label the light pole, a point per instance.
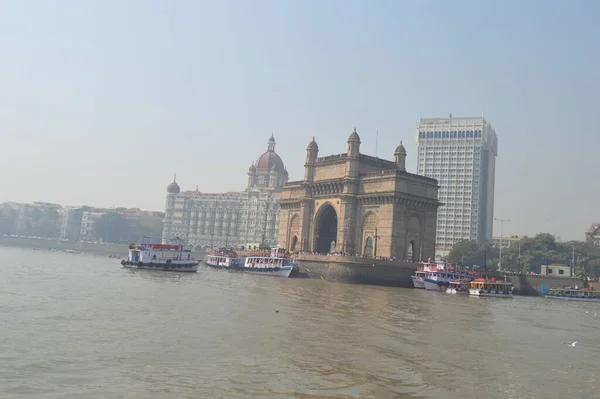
(519, 258)
(501, 240)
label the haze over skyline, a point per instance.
(102, 101)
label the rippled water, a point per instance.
(78, 326)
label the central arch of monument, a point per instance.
(326, 223)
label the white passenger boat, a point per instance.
(170, 257)
(421, 273)
(417, 279)
(277, 264)
(483, 287)
(440, 278)
(224, 259)
(574, 294)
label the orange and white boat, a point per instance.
(483, 287)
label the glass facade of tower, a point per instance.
(461, 154)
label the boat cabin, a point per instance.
(491, 285)
(148, 252)
(276, 258)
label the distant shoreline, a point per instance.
(119, 251)
(84, 247)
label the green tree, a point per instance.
(529, 254)
(112, 227)
(469, 253)
(464, 253)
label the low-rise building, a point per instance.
(556, 270)
(72, 223)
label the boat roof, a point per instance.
(573, 289)
(267, 257)
(482, 280)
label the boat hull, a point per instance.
(435, 285)
(418, 282)
(180, 267)
(283, 271)
(490, 293)
(580, 299)
(215, 266)
(455, 291)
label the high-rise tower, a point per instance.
(461, 154)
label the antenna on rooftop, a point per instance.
(376, 141)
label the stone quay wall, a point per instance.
(533, 285)
(354, 270)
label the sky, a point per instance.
(101, 102)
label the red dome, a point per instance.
(270, 159)
(173, 188)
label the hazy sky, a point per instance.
(102, 101)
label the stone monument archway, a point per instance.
(326, 229)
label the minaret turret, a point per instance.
(353, 156)
(251, 176)
(271, 144)
(400, 156)
(312, 151)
